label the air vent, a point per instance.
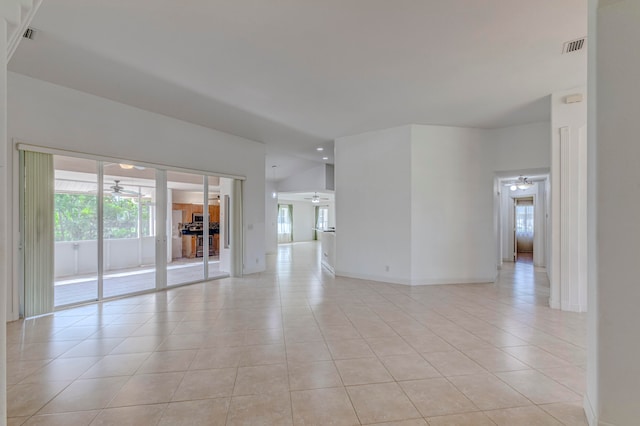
(30, 33)
(574, 45)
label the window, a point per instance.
(323, 218)
(285, 223)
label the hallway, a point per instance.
(295, 345)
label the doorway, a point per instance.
(523, 233)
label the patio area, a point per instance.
(78, 289)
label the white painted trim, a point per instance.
(588, 411)
(378, 278)
(415, 281)
(85, 155)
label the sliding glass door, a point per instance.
(118, 229)
(129, 243)
(76, 230)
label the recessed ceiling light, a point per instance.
(325, 158)
(319, 148)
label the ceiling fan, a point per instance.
(118, 191)
(316, 198)
(522, 183)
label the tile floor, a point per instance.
(294, 345)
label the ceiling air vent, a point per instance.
(574, 45)
(30, 33)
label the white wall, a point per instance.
(48, 115)
(520, 147)
(439, 178)
(271, 218)
(315, 179)
(373, 205)
(451, 206)
(614, 375)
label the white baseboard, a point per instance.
(589, 413)
(378, 278)
(414, 281)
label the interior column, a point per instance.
(4, 208)
(613, 373)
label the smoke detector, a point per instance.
(574, 45)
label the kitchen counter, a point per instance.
(328, 247)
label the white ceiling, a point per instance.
(296, 74)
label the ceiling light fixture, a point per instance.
(325, 158)
(315, 199)
(319, 148)
(523, 183)
(126, 166)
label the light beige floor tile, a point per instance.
(224, 339)
(362, 371)
(167, 361)
(437, 397)
(177, 342)
(387, 346)
(61, 369)
(412, 422)
(262, 355)
(141, 415)
(210, 412)
(17, 421)
(535, 357)
(18, 370)
(320, 407)
(466, 419)
(148, 389)
(206, 384)
(303, 353)
(315, 375)
(302, 334)
(530, 416)
(572, 377)
(25, 400)
(36, 351)
(488, 392)
(79, 418)
(137, 345)
(116, 365)
(269, 336)
(495, 360)
(207, 359)
(261, 379)
(453, 363)
(260, 410)
(569, 413)
(346, 349)
(238, 321)
(537, 387)
(341, 332)
(93, 347)
(89, 394)
(409, 367)
(381, 403)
